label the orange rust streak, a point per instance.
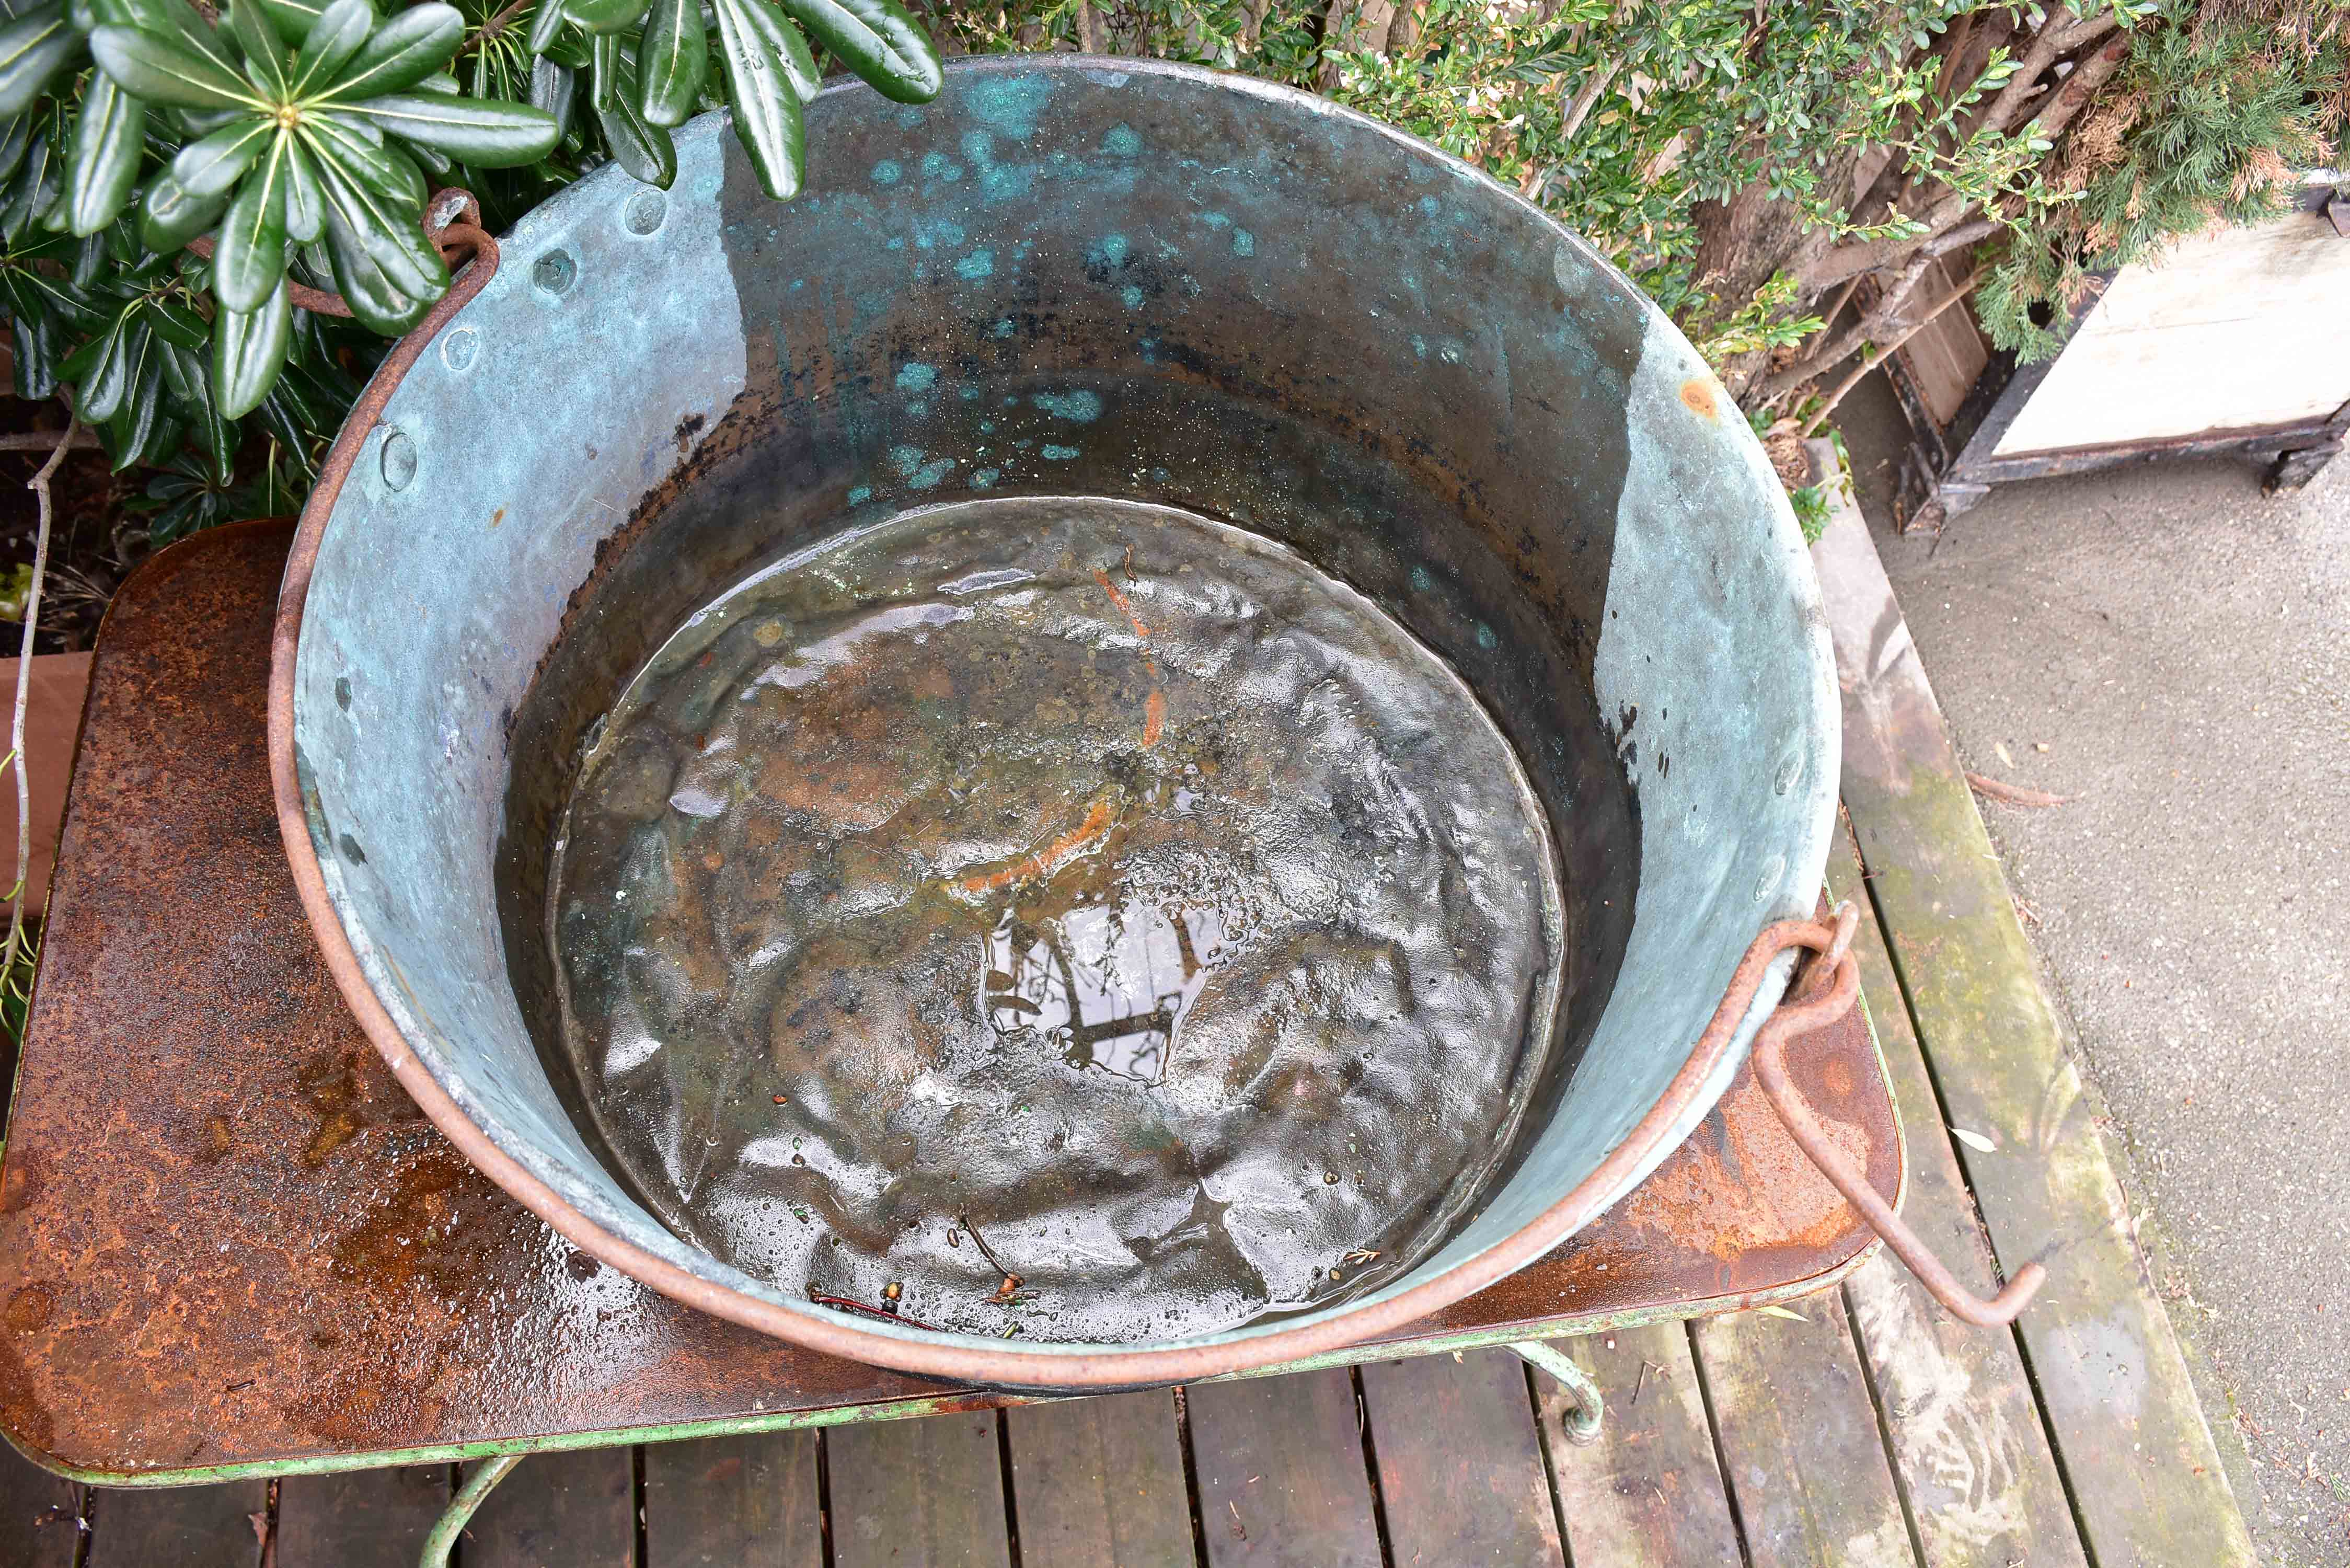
(1096, 820)
(1118, 600)
(1154, 717)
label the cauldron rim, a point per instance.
(950, 1356)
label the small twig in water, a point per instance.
(842, 1303)
(1012, 1282)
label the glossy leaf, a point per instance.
(173, 19)
(183, 374)
(605, 15)
(107, 141)
(488, 133)
(306, 199)
(134, 424)
(264, 51)
(387, 232)
(879, 41)
(545, 24)
(177, 321)
(291, 20)
(170, 217)
(250, 257)
(249, 350)
(783, 41)
(33, 49)
(672, 57)
(155, 68)
(31, 194)
(341, 31)
(360, 153)
(209, 167)
(40, 341)
(411, 47)
(645, 150)
(377, 301)
(101, 372)
(14, 139)
(554, 88)
(767, 106)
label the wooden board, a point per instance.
(37, 1511)
(2145, 1475)
(1282, 1481)
(1970, 1454)
(359, 1519)
(565, 1510)
(734, 1503)
(1649, 1493)
(186, 1527)
(925, 1493)
(1799, 1438)
(1100, 1480)
(1460, 1462)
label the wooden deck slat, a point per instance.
(1799, 1440)
(2143, 1472)
(186, 1527)
(1649, 1493)
(1460, 1462)
(1100, 1480)
(747, 1501)
(359, 1519)
(36, 1515)
(1282, 1479)
(1969, 1452)
(566, 1509)
(923, 1493)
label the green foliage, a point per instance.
(2201, 126)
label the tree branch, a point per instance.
(2037, 57)
(72, 435)
(1878, 356)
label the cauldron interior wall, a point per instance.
(1149, 283)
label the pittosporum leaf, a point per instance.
(411, 47)
(341, 29)
(488, 133)
(34, 48)
(672, 57)
(766, 105)
(107, 141)
(170, 217)
(249, 350)
(155, 68)
(879, 41)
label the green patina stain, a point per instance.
(980, 264)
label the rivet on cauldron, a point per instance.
(399, 460)
(1789, 771)
(645, 212)
(461, 348)
(1773, 870)
(555, 272)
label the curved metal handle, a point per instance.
(1583, 1418)
(1830, 986)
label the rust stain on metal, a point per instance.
(1699, 395)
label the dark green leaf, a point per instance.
(39, 339)
(264, 51)
(152, 67)
(671, 59)
(767, 106)
(105, 160)
(359, 150)
(176, 321)
(183, 374)
(387, 232)
(341, 29)
(173, 19)
(411, 47)
(33, 49)
(554, 88)
(645, 150)
(488, 133)
(101, 372)
(168, 218)
(132, 434)
(783, 41)
(545, 22)
(292, 19)
(209, 167)
(248, 351)
(32, 193)
(305, 201)
(605, 15)
(377, 301)
(879, 41)
(91, 256)
(251, 254)
(437, 166)
(13, 143)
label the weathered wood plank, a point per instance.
(37, 1511)
(571, 1510)
(1799, 1440)
(1969, 1453)
(1649, 1493)
(1282, 1478)
(1460, 1462)
(2144, 1473)
(748, 1501)
(923, 1493)
(1100, 1480)
(185, 1526)
(358, 1519)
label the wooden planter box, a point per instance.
(2238, 343)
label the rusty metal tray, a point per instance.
(231, 1244)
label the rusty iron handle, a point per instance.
(1830, 987)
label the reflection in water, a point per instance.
(1106, 988)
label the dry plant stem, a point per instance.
(1088, 30)
(46, 440)
(1878, 356)
(496, 25)
(39, 486)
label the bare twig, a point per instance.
(48, 440)
(496, 25)
(39, 486)
(1878, 356)
(1088, 29)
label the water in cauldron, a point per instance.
(1077, 889)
